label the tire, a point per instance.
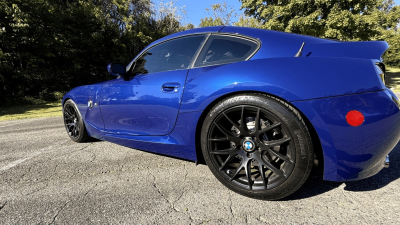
(269, 157)
(74, 123)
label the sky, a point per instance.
(196, 9)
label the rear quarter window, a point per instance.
(221, 49)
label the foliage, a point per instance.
(392, 55)
(220, 14)
(246, 21)
(50, 46)
(356, 20)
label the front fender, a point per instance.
(91, 115)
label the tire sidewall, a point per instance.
(82, 132)
(297, 130)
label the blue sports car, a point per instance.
(260, 107)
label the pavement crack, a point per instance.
(230, 204)
(90, 189)
(58, 212)
(66, 203)
(93, 154)
(3, 205)
(37, 190)
(159, 191)
(179, 198)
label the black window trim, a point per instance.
(206, 36)
(200, 49)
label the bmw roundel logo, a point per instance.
(248, 145)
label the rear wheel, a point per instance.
(74, 123)
(257, 145)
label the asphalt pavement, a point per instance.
(45, 178)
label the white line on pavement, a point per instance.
(11, 165)
(19, 161)
(10, 125)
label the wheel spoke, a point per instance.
(67, 113)
(248, 174)
(228, 134)
(67, 119)
(230, 121)
(218, 139)
(238, 169)
(226, 161)
(273, 143)
(274, 169)
(243, 124)
(279, 155)
(71, 127)
(272, 126)
(262, 174)
(70, 124)
(68, 110)
(74, 132)
(257, 122)
(222, 152)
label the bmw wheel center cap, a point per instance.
(248, 145)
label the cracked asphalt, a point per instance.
(45, 178)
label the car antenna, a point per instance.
(298, 54)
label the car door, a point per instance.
(147, 100)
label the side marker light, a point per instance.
(355, 118)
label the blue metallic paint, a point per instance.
(335, 78)
(143, 107)
(273, 76)
(350, 151)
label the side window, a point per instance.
(176, 54)
(225, 49)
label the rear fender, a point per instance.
(291, 79)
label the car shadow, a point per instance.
(315, 185)
(93, 140)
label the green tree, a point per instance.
(245, 21)
(49, 46)
(357, 20)
(220, 14)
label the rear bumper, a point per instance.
(353, 153)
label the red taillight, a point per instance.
(355, 118)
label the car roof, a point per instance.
(215, 29)
(273, 43)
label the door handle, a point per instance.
(170, 87)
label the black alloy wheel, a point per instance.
(73, 122)
(257, 146)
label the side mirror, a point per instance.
(116, 69)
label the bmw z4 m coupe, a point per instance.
(259, 106)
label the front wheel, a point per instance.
(257, 146)
(73, 122)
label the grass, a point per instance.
(47, 109)
(392, 79)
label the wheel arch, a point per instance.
(317, 147)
